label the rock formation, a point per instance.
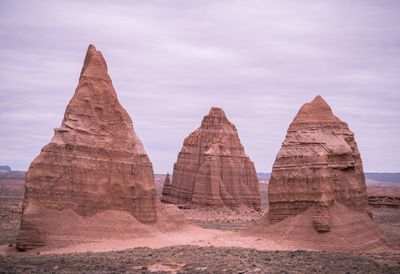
(317, 192)
(318, 163)
(213, 169)
(94, 163)
(167, 186)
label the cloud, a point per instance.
(170, 61)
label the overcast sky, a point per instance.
(170, 61)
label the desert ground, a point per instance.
(185, 254)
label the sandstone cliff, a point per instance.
(318, 163)
(213, 170)
(95, 162)
(317, 192)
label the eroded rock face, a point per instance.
(317, 192)
(318, 164)
(95, 161)
(213, 169)
(166, 187)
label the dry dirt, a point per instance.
(222, 220)
(11, 195)
(189, 259)
(196, 259)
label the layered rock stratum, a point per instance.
(166, 190)
(94, 170)
(318, 163)
(213, 170)
(317, 192)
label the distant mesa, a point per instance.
(317, 192)
(213, 170)
(94, 179)
(5, 168)
(7, 173)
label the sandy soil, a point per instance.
(389, 221)
(383, 190)
(210, 247)
(11, 196)
(222, 220)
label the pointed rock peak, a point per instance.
(316, 111)
(94, 65)
(217, 112)
(216, 118)
(319, 102)
(92, 47)
(167, 180)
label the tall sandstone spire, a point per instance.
(213, 169)
(317, 192)
(95, 162)
(318, 163)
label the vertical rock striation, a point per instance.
(318, 164)
(95, 162)
(317, 191)
(213, 170)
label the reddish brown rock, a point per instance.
(317, 191)
(318, 164)
(213, 169)
(94, 163)
(167, 186)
